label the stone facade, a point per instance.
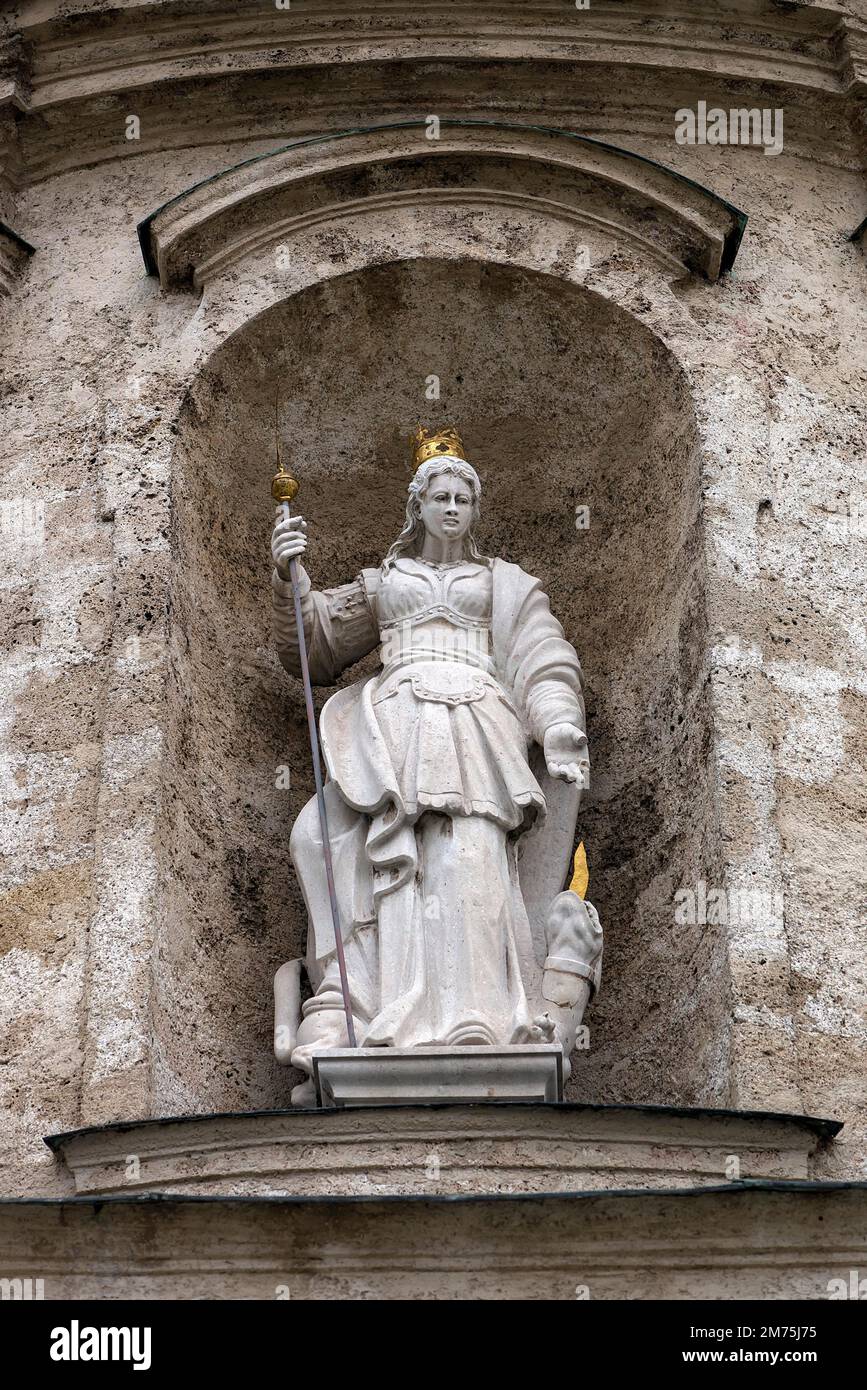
(647, 1245)
(606, 336)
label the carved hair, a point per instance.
(411, 538)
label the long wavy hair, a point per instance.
(411, 538)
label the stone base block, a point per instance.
(423, 1075)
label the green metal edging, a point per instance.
(804, 1188)
(822, 1128)
(18, 240)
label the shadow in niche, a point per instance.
(563, 401)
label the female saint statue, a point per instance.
(454, 777)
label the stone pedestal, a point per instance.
(422, 1075)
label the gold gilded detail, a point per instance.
(426, 445)
(283, 487)
(580, 872)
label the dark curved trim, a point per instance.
(730, 248)
(433, 1199)
(859, 231)
(823, 1129)
(18, 240)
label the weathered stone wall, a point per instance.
(716, 430)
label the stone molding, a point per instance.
(212, 227)
(761, 1241)
(440, 1150)
(202, 73)
(14, 94)
(816, 45)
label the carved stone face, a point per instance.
(447, 507)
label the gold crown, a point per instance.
(426, 445)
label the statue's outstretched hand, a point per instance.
(566, 753)
(288, 541)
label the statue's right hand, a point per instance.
(288, 541)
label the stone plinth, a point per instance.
(423, 1075)
(441, 1150)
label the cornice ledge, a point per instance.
(126, 49)
(526, 1146)
(853, 54)
(218, 223)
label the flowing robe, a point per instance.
(449, 838)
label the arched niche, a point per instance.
(564, 400)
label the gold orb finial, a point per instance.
(283, 486)
(427, 444)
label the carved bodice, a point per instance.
(414, 592)
(435, 612)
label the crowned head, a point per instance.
(438, 458)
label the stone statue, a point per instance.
(454, 778)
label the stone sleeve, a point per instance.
(548, 679)
(339, 626)
(553, 701)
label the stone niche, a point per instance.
(564, 400)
